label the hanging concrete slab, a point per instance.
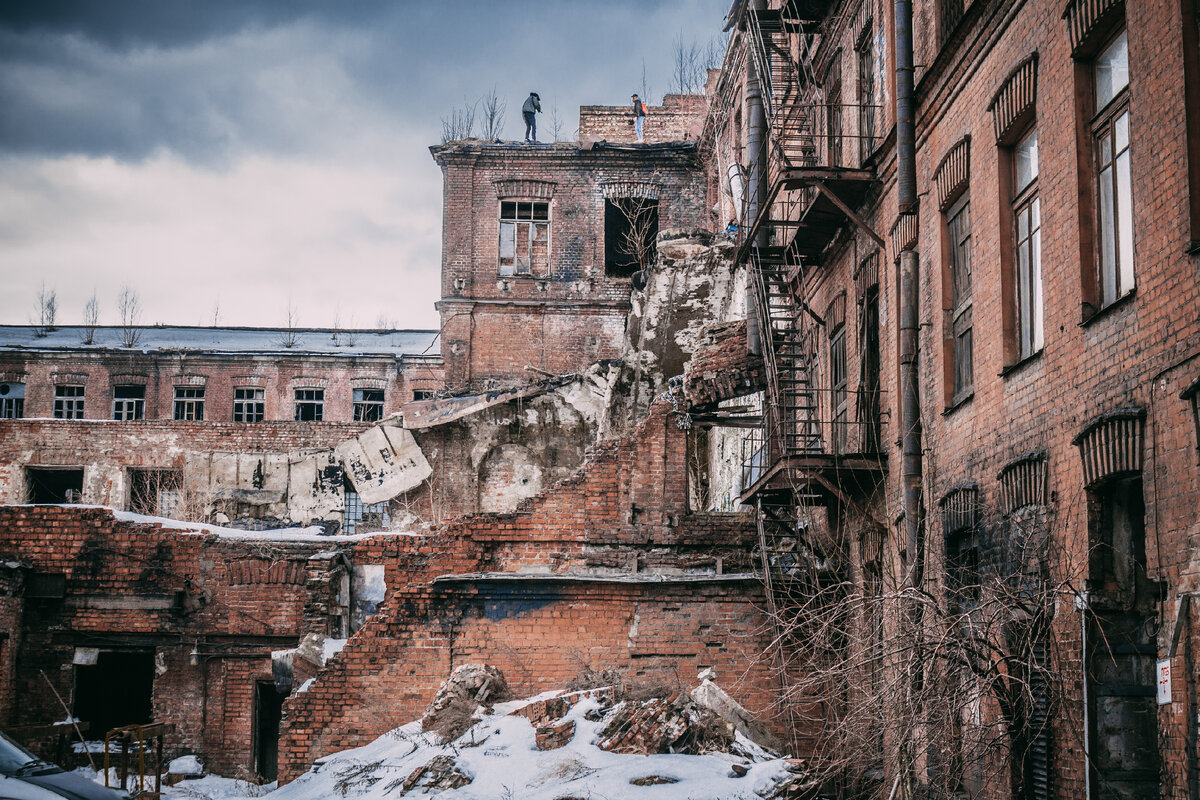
(382, 462)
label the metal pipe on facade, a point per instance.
(756, 189)
(910, 297)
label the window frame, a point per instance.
(834, 133)
(315, 400)
(865, 80)
(363, 405)
(839, 381)
(531, 222)
(13, 407)
(250, 408)
(69, 405)
(960, 312)
(1029, 304)
(1111, 279)
(128, 409)
(188, 404)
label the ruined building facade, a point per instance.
(1058, 351)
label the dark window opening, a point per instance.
(129, 402)
(963, 570)
(189, 403)
(12, 400)
(248, 405)
(837, 379)
(368, 405)
(155, 492)
(268, 712)
(68, 402)
(1118, 547)
(54, 485)
(310, 405)
(524, 238)
(869, 369)
(115, 691)
(630, 235)
(422, 394)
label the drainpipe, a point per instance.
(910, 301)
(756, 159)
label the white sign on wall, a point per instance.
(1162, 675)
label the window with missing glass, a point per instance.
(189, 403)
(68, 402)
(368, 405)
(129, 402)
(310, 405)
(248, 405)
(1027, 218)
(524, 237)
(1114, 190)
(12, 400)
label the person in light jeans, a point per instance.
(639, 116)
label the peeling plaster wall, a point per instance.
(693, 284)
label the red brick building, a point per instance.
(539, 242)
(1058, 176)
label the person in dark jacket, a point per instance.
(639, 116)
(533, 105)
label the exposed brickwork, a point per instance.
(722, 367)
(165, 592)
(679, 118)
(624, 512)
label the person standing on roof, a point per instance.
(533, 105)
(639, 116)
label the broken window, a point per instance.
(54, 484)
(1118, 547)
(68, 402)
(129, 402)
(368, 405)
(1110, 137)
(12, 400)
(155, 492)
(961, 349)
(524, 238)
(189, 402)
(630, 234)
(422, 394)
(248, 404)
(869, 360)
(357, 515)
(310, 405)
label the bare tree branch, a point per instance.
(492, 122)
(129, 308)
(91, 318)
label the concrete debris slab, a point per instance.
(382, 462)
(439, 411)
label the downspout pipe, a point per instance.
(756, 183)
(910, 298)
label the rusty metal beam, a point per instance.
(849, 212)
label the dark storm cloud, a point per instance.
(216, 79)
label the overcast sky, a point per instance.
(232, 156)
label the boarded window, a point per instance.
(630, 234)
(524, 238)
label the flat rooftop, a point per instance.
(171, 338)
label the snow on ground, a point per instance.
(499, 756)
(210, 787)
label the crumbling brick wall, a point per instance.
(229, 598)
(679, 118)
(564, 590)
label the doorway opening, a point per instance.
(268, 711)
(115, 691)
